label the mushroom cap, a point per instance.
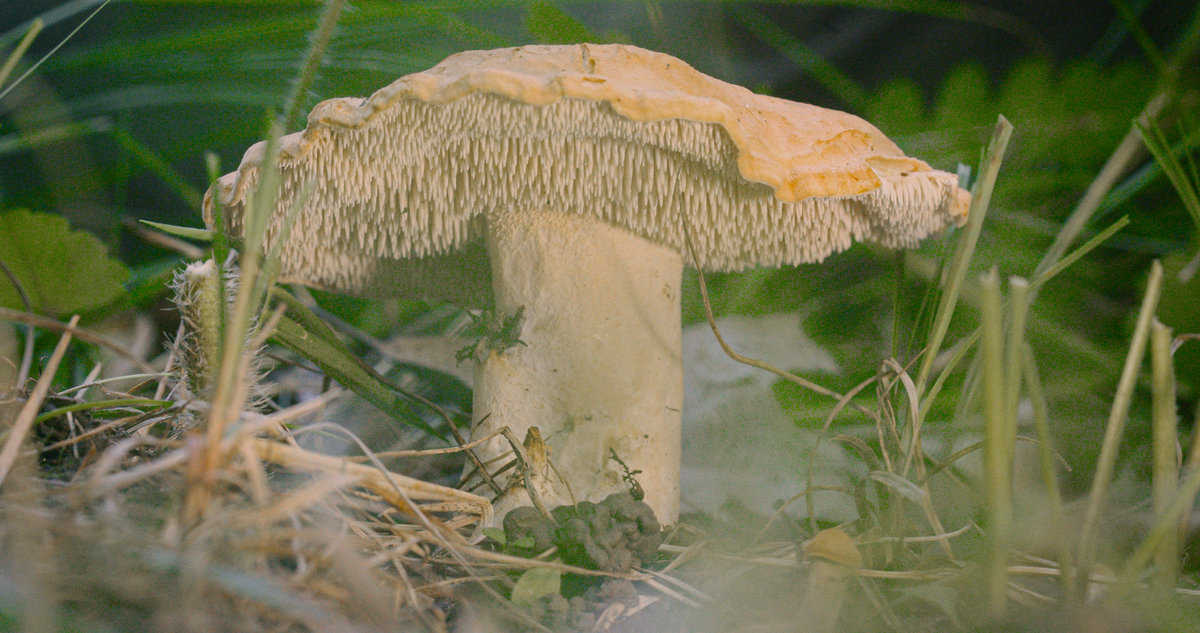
(628, 136)
(834, 545)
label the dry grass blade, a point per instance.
(24, 420)
(380, 482)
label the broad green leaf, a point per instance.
(536, 583)
(62, 271)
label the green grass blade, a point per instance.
(1167, 523)
(186, 232)
(52, 51)
(102, 404)
(19, 51)
(1097, 192)
(150, 159)
(1057, 267)
(997, 456)
(340, 364)
(1165, 448)
(312, 61)
(980, 199)
(1143, 38)
(1018, 306)
(1106, 462)
(1186, 187)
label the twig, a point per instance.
(429, 451)
(28, 413)
(745, 360)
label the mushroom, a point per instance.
(833, 557)
(560, 180)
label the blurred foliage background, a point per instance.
(114, 126)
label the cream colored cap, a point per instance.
(628, 136)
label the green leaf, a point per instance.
(187, 232)
(340, 364)
(62, 271)
(496, 534)
(536, 583)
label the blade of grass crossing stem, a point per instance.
(996, 460)
(258, 213)
(1114, 429)
(25, 418)
(273, 260)
(1041, 422)
(1166, 449)
(220, 245)
(319, 40)
(981, 197)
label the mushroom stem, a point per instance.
(599, 369)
